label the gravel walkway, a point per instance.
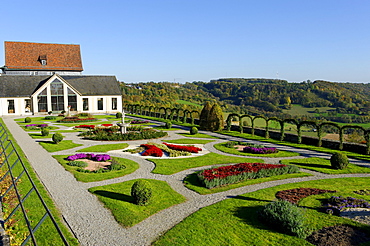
(94, 225)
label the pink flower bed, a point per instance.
(95, 157)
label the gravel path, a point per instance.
(94, 225)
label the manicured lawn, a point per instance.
(198, 135)
(171, 166)
(33, 130)
(159, 128)
(50, 146)
(324, 166)
(117, 198)
(38, 135)
(192, 182)
(281, 153)
(188, 141)
(104, 147)
(131, 166)
(235, 221)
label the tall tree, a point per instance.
(204, 115)
(216, 118)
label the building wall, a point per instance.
(19, 106)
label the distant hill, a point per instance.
(256, 96)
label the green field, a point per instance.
(188, 103)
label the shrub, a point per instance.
(193, 130)
(115, 165)
(44, 132)
(50, 117)
(50, 112)
(77, 163)
(339, 161)
(27, 120)
(141, 191)
(57, 137)
(285, 217)
(168, 125)
(118, 115)
(63, 112)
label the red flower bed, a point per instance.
(86, 126)
(107, 125)
(231, 174)
(190, 149)
(223, 172)
(151, 150)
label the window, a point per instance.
(11, 106)
(57, 96)
(42, 101)
(114, 103)
(100, 103)
(85, 104)
(27, 103)
(72, 99)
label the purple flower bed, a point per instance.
(264, 150)
(94, 157)
(37, 125)
(139, 121)
(336, 204)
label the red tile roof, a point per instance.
(28, 56)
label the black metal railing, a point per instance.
(20, 191)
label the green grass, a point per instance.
(163, 128)
(324, 166)
(30, 130)
(171, 166)
(198, 135)
(50, 146)
(188, 103)
(281, 153)
(188, 141)
(131, 166)
(104, 147)
(300, 110)
(235, 221)
(46, 232)
(192, 182)
(117, 198)
(38, 135)
(296, 145)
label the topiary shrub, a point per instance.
(141, 191)
(44, 132)
(285, 217)
(193, 130)
(57, 137)
(27, 120)
(118, 115)
(339, 160)
(168, 125)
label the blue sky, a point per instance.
(200, 40)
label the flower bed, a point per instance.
(337, 204)
(261, 150)
(295, 195)
(36, 125)
(75, 120)
(151, 150)
(107, 125)
(226, 175)
(191, 149)
(86, 126)
(94, 157)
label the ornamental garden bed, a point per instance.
(170, 150)
(103, 170)
(76, 119)
(231, 174)
(247, 149)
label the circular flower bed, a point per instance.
(36, 126)
(106, 163)
(251, 148)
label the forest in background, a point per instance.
(348, 102)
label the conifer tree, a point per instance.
(215, 118)
(204, 114)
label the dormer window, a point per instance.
(42, 59)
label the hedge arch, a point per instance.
(320, 128)
(160, 112)
(367, 139)
(267, 134)
(186, 112)
(192, 115)
(151, 110)
(146, 110)
(241, 120)
(228, 120)
(299, 128)
(343, 128)
(255, 118)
